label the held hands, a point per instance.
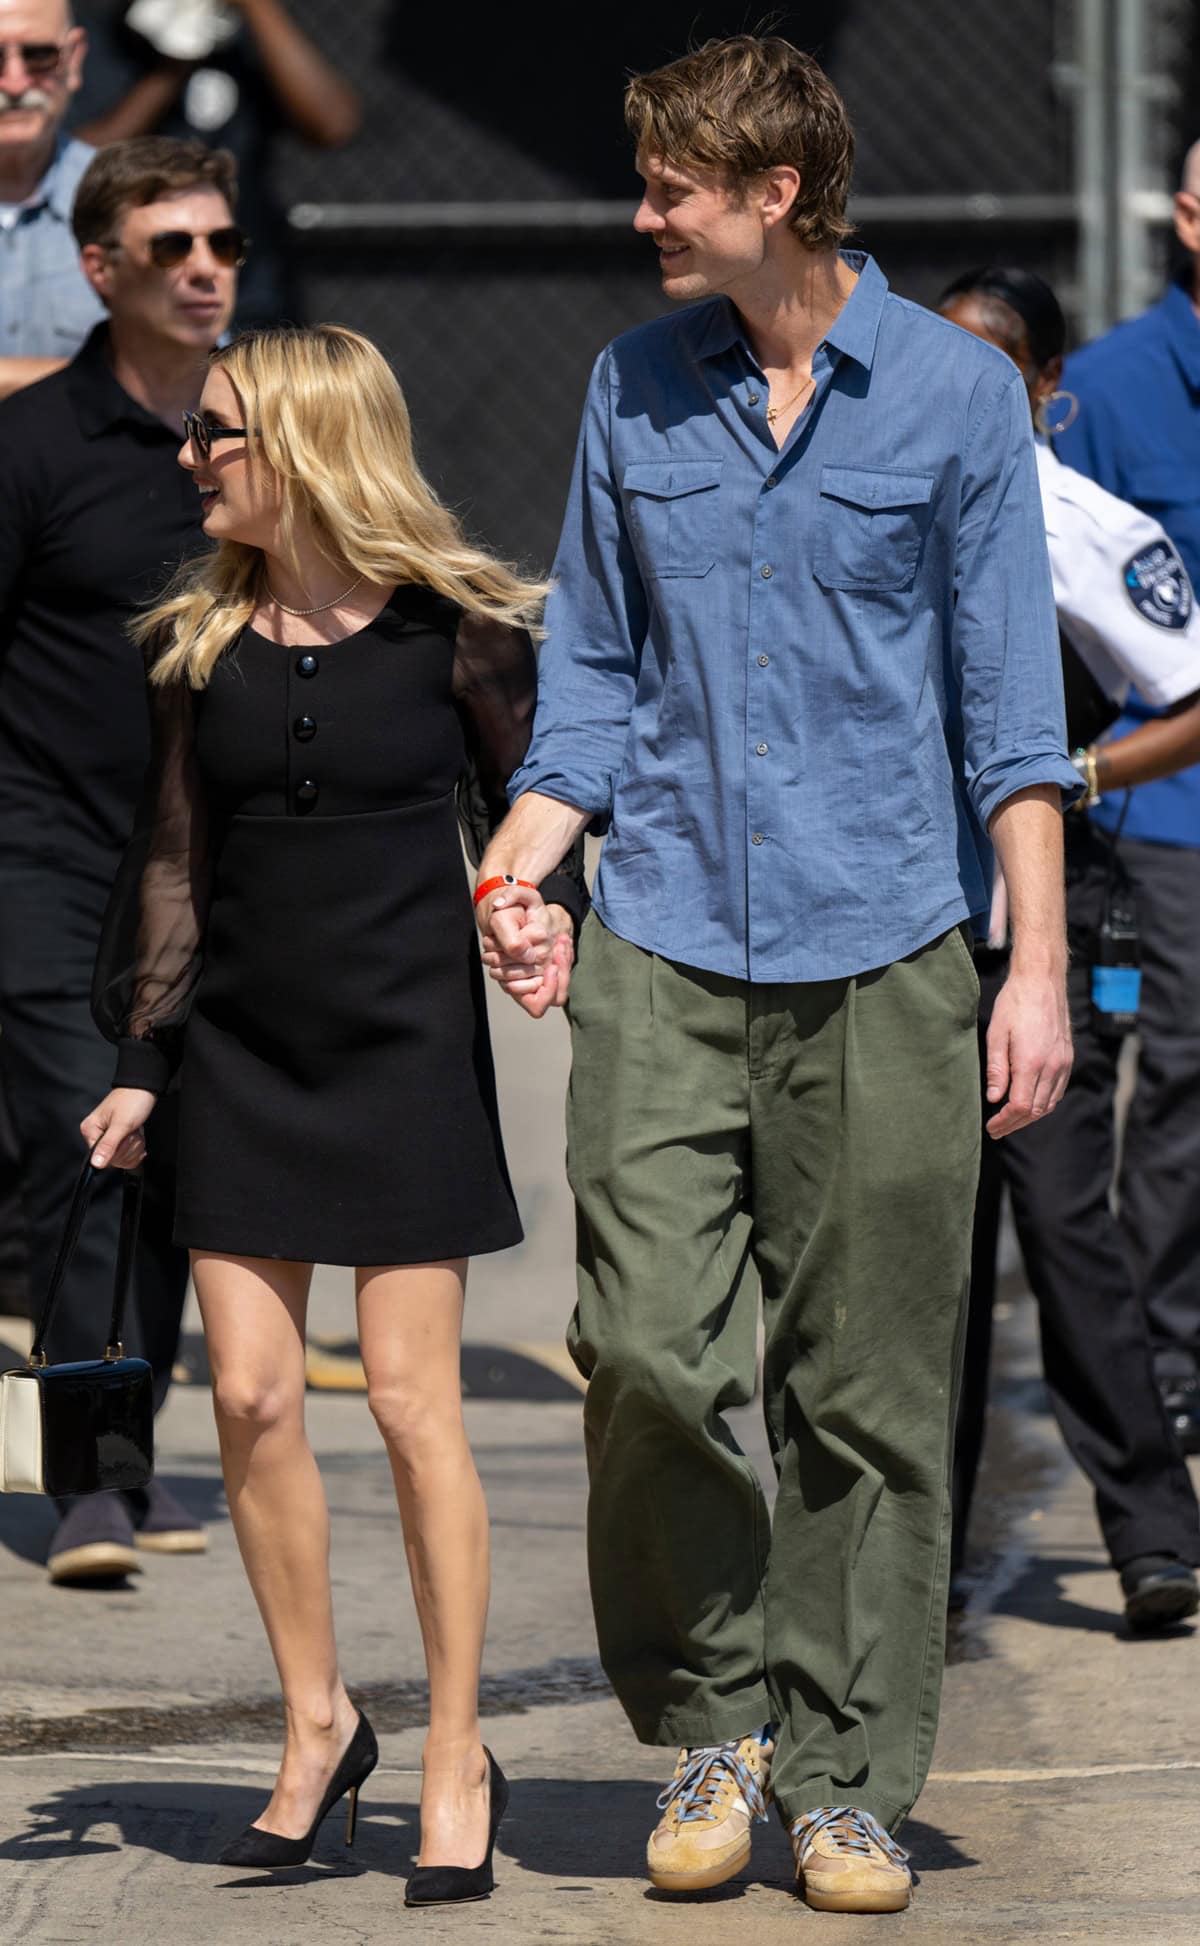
(1029, 1050)
(116, 1124)
(528, 947)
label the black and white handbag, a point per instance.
(88, 1426)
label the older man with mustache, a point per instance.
(47, 306)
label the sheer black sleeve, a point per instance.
(495, 688)
(152, 940)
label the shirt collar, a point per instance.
(853, 332)
(1183, 326)
(98, 401)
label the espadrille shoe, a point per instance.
(703, 1836)
(846, 1862)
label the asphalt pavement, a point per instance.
(139, 1726)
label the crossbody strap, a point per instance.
(131, 1208)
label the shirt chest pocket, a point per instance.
(870, 527)
(672, 508)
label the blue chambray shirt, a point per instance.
(47, 306)
(796, 685)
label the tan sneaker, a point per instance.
(846, 1862)
(703, 1837)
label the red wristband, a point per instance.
(494, 884)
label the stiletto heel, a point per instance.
(266, 1849)
(452, 1884)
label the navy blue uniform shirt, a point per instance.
(797, 684)
(1137, 433)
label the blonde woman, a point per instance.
(327, 687)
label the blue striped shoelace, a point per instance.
(852, 1829)
(695, 1789)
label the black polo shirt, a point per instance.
(95, 517)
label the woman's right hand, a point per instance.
(113, 1130)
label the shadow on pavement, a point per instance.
(27, 1520)
(1036, 1596)
(556, 1827)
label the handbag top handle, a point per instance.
(131, 1208)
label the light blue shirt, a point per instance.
(47, 306)
(796, 685)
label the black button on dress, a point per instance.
(307, 940)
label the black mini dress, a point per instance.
(292, 927)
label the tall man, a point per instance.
(802, 650)
(94, 517)
(1137, 432)
(47, 305)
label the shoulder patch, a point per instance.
(1157, 584)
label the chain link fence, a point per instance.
(478, 228)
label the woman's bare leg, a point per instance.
(254, 1311)
(410, 1332)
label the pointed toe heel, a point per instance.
(260, 1850)
(455, 1884)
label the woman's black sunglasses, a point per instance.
(202, 432)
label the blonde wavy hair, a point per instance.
(327, 414)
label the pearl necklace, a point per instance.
(320, 607)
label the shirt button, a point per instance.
(757, 838)
(760, 749)
(306, 793)
(307, 665)
(767, 572)
(304, 728)
(753, 397)
(763, 661)
(771, 480)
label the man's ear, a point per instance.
(780, 188)
(95, 265)
(76, 51)
(1187, 220)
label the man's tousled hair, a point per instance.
(127, 175)
(746, 105)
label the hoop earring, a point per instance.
(1068, 419)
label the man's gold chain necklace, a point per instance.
(776, 411)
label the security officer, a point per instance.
(1127, 613)
(1137, 433)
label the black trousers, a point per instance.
(57, 1066)
(1160, 1161)
(1095, 1335)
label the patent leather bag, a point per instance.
(89, 1426)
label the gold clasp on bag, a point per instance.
(112, 1352)
(37, 1359)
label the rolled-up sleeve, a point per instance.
(596, 621)
(1005, 631)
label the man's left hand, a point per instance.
(528, 949)
(1029, 1050)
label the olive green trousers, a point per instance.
(817, 1144)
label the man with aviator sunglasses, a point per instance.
(95, 515)
(47, 306)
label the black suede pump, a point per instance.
(454, 1884)
(262, 1850)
